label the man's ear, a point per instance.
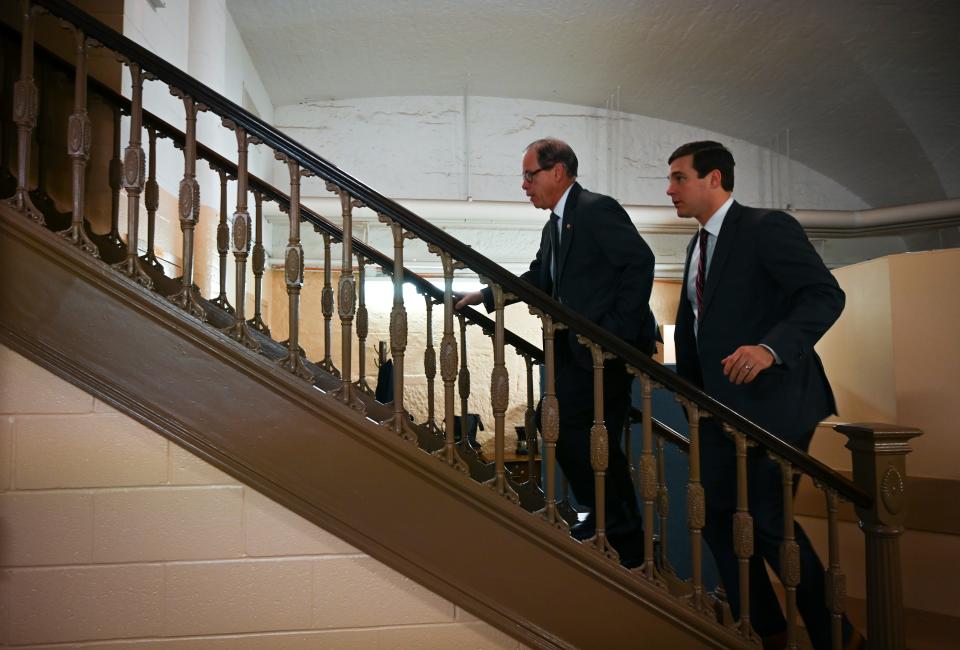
(716, 179)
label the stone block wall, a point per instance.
(111, 536)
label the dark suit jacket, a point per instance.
(605, 270)
(766, 285)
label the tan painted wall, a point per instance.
(894, 356)
(110, 532)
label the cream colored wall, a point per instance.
(111, 534)
(894, 357)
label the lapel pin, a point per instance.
(569, 226)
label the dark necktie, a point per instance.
(555, 251)
(701, 271)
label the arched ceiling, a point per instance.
(869, 90)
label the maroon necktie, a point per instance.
(701, 271)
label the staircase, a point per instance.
(92, 310)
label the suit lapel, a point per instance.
(569, 222)
(686, 270)
(720, 254)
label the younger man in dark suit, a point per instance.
(756, 298)
(603, 270)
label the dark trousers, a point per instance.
(718, 471)
(575, 398)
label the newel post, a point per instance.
(879, 466)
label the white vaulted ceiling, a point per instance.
(869, 90)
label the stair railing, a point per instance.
(879, 451)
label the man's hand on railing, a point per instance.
(467, 299)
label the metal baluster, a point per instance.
(25, 110)
(648, 475)
(599, 452)
(500, 398)
(223, 243)
(362, 329)
(742, 531)
(259, 260)
(326, 304)
(789, 553)
(836, 581)
(188, 297)
(448, 357)
(463, 387)
(151, 199)
(113, 244)
(399, 422)
(240, 331)
(550, 423)
(696, 504)
(663, 506)
(477, 468)
(430, 370)
(134, 172)
(346, 301)
(529, 422)
(293, 273)
(79, 137)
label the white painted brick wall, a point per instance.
(110, 534)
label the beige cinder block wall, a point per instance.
(894, 356)
(111, 534)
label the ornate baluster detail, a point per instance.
(399, 421)
(529, 422)
(115, 180)
(789, 552)
(836, 581)
(463, 388)
(362, 329)
(599, 452)
(134, 173)
(696, 504)
(151, 198)
(500, 398)
(25, 110)
(477, 468)
(448, 361)
(628, 447)
(259, 260)
(223, 243)
(188, 297)
(549, 424)
(240, 331)
(293, 273)
(430, 370)
(743, 531)
(346, 300)
(648, 474)
(326, 304)
(663, 506)
(79, 137)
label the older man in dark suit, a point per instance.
(593, 260)
(756, 298)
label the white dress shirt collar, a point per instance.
(715, 222)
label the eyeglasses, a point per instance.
(528, 176)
